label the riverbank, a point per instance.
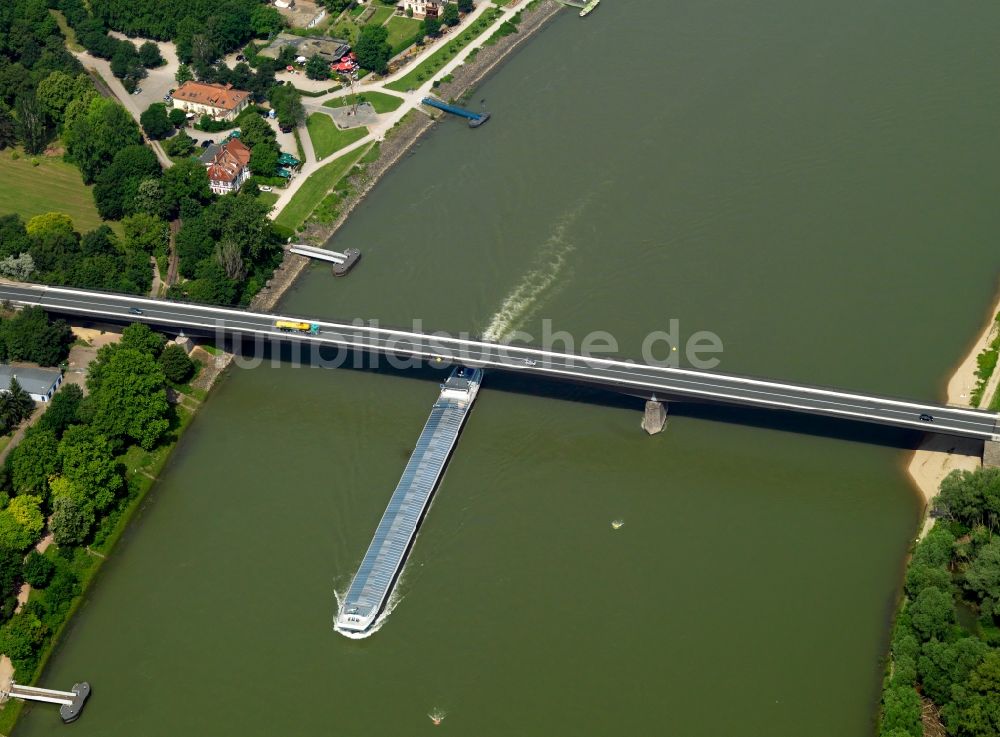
(400, 140)
(939, 455)
(142, 469)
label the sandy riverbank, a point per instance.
(939, 455)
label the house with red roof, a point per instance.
(219, 101)
(228, 166)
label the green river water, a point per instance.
(810, 181)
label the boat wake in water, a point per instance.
(539, 283)
(437, 716)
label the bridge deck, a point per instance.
(615, 374)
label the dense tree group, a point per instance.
(68, 469)
(372, 48)
(957, 667)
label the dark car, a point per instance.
(134, 311)
(926, 418)
(207, 143)
(286, 128)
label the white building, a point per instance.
(40, 383)
(422, 8)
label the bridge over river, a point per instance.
(623, 376)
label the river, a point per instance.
(811, 182)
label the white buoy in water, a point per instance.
(617, 524)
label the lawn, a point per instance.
(315, 188)
(267, 198)
(382, 102)
(52, 186)
(381, 15)
(403, 32)
(328, 138)
(442, 56)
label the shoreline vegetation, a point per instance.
(942, 674)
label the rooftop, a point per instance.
(222, 96)
(328, 49)
(229, 160)
(32, 379)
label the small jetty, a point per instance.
(70, 702)
(342, 262)
(475, 119)
(380, 568)
(589, 8)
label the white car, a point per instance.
(264, 188)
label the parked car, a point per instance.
(264, 188)
(286, 128)
(206, 143)
(137, 90)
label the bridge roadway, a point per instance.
(623, 376)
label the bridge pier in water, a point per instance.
(654, 419)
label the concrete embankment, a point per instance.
(400, 141)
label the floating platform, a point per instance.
(353, 256)
(381, 566)
(475, 119)
(342, 262)
(71, 703)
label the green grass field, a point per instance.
(52, 186)
(402, 32)
(381, 15)
(328, 138)
(382, 102)
(315, 189)
(442, 56)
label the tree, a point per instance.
(95, 133)
(194, 243)
(450, 15)
(22, 637)
(177, 366)
(38, 570)
(14, 238)
(8, 127)
(29, 336)
(977, 708)
(971, 497)
(19, 402)
(130, 400)
(141, 337)
(155, 121)
(254, 130)
(149, 55)
(942, 664)
(264, 159)
(19, 268)
(466, 6)
(88, 464)
(932, 613)
(21, 522)
(243, 220)
(266, 20)
(149, 198)
(71, 520)
(187, 180)
(287, 104)
(146, 234)
(430, 27)
(33, 460)
(372, 49)
(901, 712)
(30, 123)
(63, 410)
(177, 117)
(183, 74)
(317, 68)
(983, 574)
(58, 90)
